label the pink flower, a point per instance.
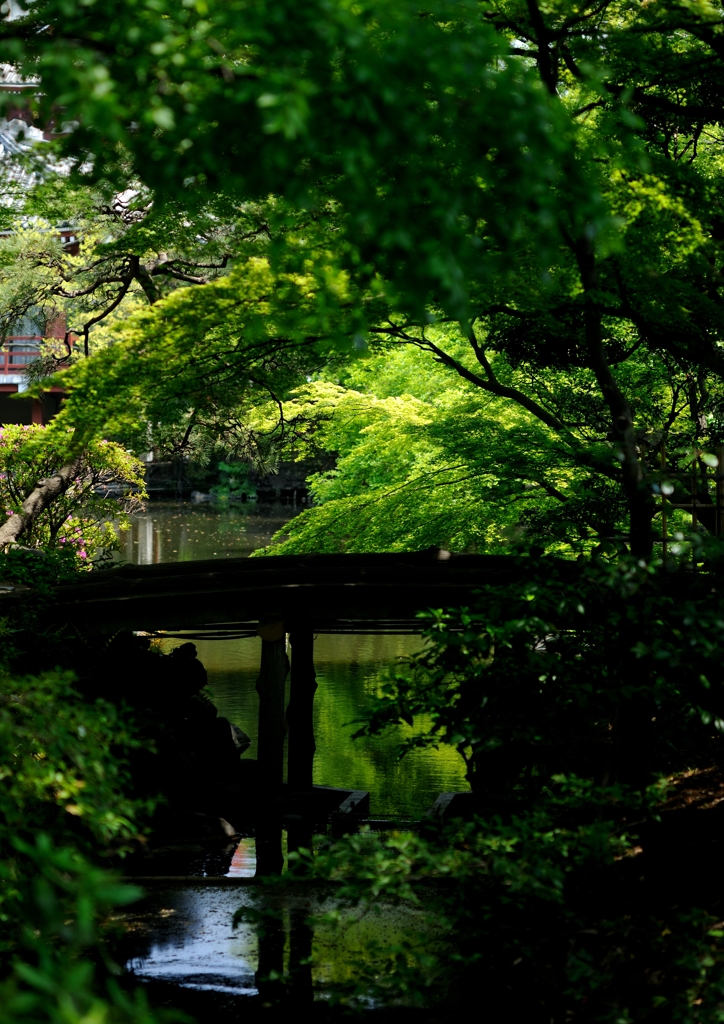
(82, 554)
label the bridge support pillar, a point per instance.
(270, 748)
(301, 710)
(272, 727)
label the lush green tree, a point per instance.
(616, 346)
(415, 456)
(531, 197)
(412, 124)
(87, 256)
(186, 370)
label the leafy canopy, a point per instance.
(409, 131)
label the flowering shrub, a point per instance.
(86, 519)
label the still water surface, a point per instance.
(192, 943)
(179, 531)
(350, 670)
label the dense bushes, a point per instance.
(63, 775)
(572, 893)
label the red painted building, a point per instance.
(17, 132)
(19, 350)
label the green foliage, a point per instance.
(27, 258)
(234, 482)
(64, 768)
(80, 523)
(63, 774)
(558, 690)
(126, 253)
(559, 202)
(422, 457)
(403, 119)
(251, 328)
(532, 909)
(59, 972)
(421, 460)
(527, 684)
(549, 178)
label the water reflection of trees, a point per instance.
(278, 932)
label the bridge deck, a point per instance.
(334, 593)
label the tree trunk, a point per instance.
(272, 724)
(38, 500)
(633, 728)
(638, 497)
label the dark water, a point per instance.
(186, 938)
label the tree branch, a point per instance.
(145, 280)
(546, 60)
(488, 383)
(45, 492)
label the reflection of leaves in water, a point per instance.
(397, 787)
(361, 952)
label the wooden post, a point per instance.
(272, 727)
(300, 713)
(268, 834)
(270, 749)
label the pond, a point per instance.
(179, 531)
(350, 670)
(185, 938)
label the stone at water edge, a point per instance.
(240, 738)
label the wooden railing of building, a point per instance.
(18, 352)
